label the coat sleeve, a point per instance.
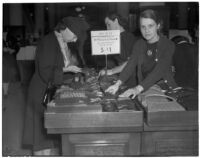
(130, 68)
(45, 60)
(162, 67)
(127, 42)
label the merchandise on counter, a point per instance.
(109, 106)
(187, 97)
(90, 90)
(70, 97)
(106, 81)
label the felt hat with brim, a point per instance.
(77, 25)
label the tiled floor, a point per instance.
(12, 122)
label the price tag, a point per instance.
(105, 42)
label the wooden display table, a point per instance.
(87, 131)
(173, 133)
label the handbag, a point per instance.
(49, 94)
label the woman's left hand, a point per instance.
(132, 92)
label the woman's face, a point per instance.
(68, 35)
(149, 29)
(111, 25)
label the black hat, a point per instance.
(77, 25)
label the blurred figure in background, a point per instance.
(185, 62)
(25, 60)
(9, 69)
(81, 41)
(114, 21)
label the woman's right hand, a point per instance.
(114, 88)
(72, 68)
(103, 72)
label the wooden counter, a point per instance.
(87, 131)
(169, 141)
(170, 133)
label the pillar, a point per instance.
(39, 19)
(112, 6)
(15, 14)
(182, 15)
(123, 9)
(51, 15)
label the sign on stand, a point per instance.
(105, 42)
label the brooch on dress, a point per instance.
(149, 53)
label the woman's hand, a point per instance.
(72, 68)
(114, 88)
(103, 72)
(132, 92)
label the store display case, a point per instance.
(96, 124)
(88, 131)
(170, 133)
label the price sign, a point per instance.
(105, 42)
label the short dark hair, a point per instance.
(122, 21)
(154, 15)
(151, 14)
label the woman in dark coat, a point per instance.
(53, 58)
(152, 55)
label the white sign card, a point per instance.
(105, 42)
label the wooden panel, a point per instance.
(74, 108)
(173, 143)
(105, 144)
(67, 146)
(172, 118)
(95, 130)
(89, 120)
(100, 149)
(170, 128)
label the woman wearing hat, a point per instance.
(53, 58)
